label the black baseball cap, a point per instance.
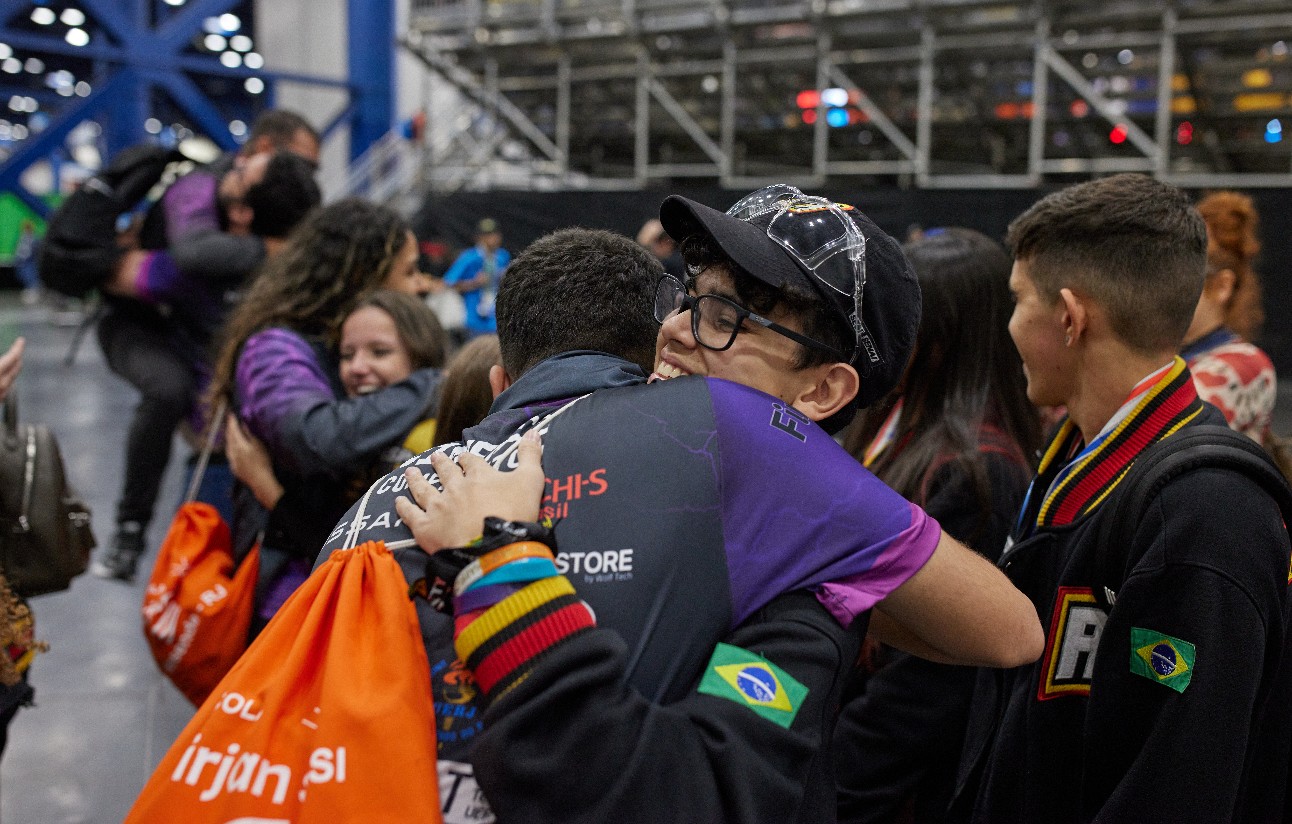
(780, 236)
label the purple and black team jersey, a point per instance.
(681, 508)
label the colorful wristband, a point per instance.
(493, 621)
(526, 569)
(513, 552)
(492, 560)
(483, 597)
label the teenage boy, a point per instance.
(1163, 697)
(683, 511)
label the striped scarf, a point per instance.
(1168, 405)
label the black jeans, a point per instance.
(141, 347)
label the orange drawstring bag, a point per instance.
(197, 609)
(326, 718)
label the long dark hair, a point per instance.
(335, 257)
(964, 383)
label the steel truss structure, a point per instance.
(567, 94)
(142, 51)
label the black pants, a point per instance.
(140, 346)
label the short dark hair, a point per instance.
(818, 319)
(578, 289)
(280, 126)
(287, 193)
(1133, 244)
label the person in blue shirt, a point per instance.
(476, 273)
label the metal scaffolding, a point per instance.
(574, 94)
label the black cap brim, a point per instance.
(745, 243)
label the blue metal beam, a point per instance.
(372, 70)
(175, 32)
(12, 10)
(190, 98)
(44, 144)
(112, 15)
(139, 57)
(159, 61)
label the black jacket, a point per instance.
(1172, 706)
(901, 729)
(575, 743)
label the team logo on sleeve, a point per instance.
(790, 421)
(1075, 628)
(1162, 658)
(745, 678)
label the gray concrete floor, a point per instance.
(104, 716)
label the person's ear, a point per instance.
(1076, 316)
(498, 379)
(1220, 286)
(834, 387)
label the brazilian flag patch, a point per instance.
(749, 679)
(1161, 658)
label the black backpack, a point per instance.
(45, 537)
(1197, 447)
(80, 248)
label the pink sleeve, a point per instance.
(848, 597)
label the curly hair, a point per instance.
(335, 257)
(1232, 244)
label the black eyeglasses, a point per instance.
(715, 320)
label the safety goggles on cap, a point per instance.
(822, 237)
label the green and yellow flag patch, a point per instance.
(749, 679)
(1162, 658)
